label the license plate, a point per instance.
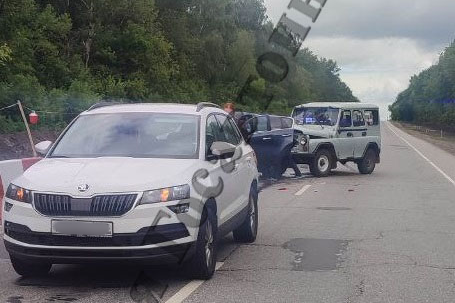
(82, 228)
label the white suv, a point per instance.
(143, 182)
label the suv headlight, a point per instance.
(303, 140)
(166, 194)
(20, 194)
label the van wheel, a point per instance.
(247, 232)
(202, 265)
(322, 163)
(30, 269)
(368, 163)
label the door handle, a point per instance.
(288, 135)
(267, 139)
(350, 135)
(364, 134)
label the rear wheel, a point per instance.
(247, 232)
(202, 265)
(368, 163)
(29, 268)
(322, 163)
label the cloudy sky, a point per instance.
(379, 44)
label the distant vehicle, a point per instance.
(272, 138)
(119, 184)
(331, 132)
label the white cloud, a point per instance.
(375, 69)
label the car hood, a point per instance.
(316, 130)
(106, 175)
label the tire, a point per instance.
(247, 232)
(30, 269)
(368, 163)
(322, 163)
(202, 264)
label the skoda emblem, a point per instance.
(82, 188)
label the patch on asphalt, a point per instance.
(334, 208)
(316, 254)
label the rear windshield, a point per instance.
(316, 116)
(137, 135)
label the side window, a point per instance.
(275, 123)
(236, 130)
(228, 132)
(286, 122)
(262, 124)
(357, 118)
(371, 117)
(212, 132)
(346, 119)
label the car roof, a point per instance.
(173, 108)
(342, 105)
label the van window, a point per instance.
(346, 119)
(372, 117)
(357, 118)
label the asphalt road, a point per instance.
(388, 237)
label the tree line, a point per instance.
(430, 97)
(61, 56)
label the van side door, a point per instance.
(360, 133)
(344, 147)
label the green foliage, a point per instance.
(62, 56)
(430, 97)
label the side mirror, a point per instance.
(222, 149)
(43, 147)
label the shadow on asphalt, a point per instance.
(119, 275)
(289, 179)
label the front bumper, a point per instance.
(168, 254)
(146, 233)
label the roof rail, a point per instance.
(202, 105)
(102, 104)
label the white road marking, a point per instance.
(302, 190)
(189, 288)
(423, 156)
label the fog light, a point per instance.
(180, 209)
(8, 206)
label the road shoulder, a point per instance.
(446, 143)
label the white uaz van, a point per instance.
(144, 182)
(337, 132)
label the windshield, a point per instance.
(138, 135)
(316, 116)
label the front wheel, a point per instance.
(368, 163)
(202, 265)
(322, 163)
(29, 268)
(247, 232)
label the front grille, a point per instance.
(62, 205)
(145, 236)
